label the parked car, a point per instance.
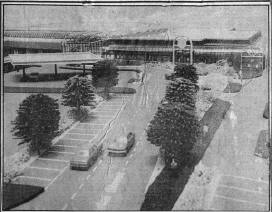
(121, 146)
(84, 159)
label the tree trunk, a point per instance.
(106, 92)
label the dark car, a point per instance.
(84, 159)
(121, 146)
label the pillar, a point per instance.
(84, 70)
(24, 74)
(56, 69)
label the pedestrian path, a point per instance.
(51, 164)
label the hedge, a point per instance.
(169, 184)
(16, 194)
(233, 87)
(261, 149)
(266, 111)
(8, 89)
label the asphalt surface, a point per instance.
(243, 181)
(112, 183)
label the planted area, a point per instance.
(233, 87)
(168, 186)
(16, 194)
(176, 129)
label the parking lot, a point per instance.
(51, 164)
(241, 193)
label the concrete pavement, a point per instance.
(243, 177)
(111, 183)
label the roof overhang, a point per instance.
(53, 58)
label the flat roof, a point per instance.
(193, 34)
(52, 58)
(216, 34)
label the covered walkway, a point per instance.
(22, 61)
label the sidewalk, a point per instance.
(238, 180)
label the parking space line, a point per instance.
(105, 116)
(99, 162)
(81, 133)
(126, 162)
(30, 177)
(64, 207)
(239, 200)
(70, 146)
(50, 159)
(70, 153)
(246, 178)
(75, 139)
(60, 173)
(94, 169)
(108, 110)
(88, 177)
(74, 195)
(43, 168)
(241, 189)
(91, 124)
(81, 185)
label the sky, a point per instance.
(122, 19)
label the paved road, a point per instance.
(243, 182)
(112, 183)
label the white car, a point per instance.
(121, 146)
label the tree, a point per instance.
(78, 92)
(175, 127)
(186, 72)
(105, 74)
(37, 121)
(182, 91)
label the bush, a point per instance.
(16, 194)
(37, 121)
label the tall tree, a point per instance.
(186, 72)
(78, 92)
(105, 74)
(37, 121)
(175, 127)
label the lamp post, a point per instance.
(191, 49)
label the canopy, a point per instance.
(53, 58)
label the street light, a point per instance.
(191, 49)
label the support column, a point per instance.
(84, 71)
(24, 73)
(56, 70)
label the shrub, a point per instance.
(78, 92)
(37, 121)
(16, 194)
